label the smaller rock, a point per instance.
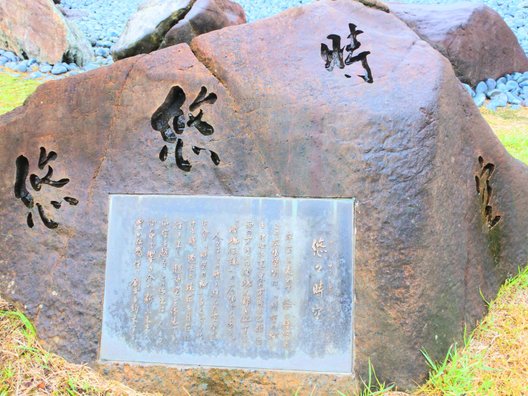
(21, 67)
(494, 92)
(502, 80)
(45, 68)
(479, 99)
(470, 90)
(11, 65)
(491, 83)
(502, 87)
(91, 66)
(105, 44)
(482, 87)
(515, 107)
(104, 52)
(58, 69)
(492, 106)
(501, 100)
(512, 99)
(11, 56)
(36, 75)
(512, 85)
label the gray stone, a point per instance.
(479, 99)
(481, 88)
(512, 98)
(512, 85)
(160, 23)
(59, 68)
(231, 282)
(11, 65)
(11, 56)
(45, 68)
(21, 67)
(36, 75)
(491, 83)
(104, 52)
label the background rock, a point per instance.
(161, 23)
(204, 16)
(408, 147)
(37, 29)
(473, 37)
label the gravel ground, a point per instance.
(259, 9)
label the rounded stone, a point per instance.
(58, 69)
(479, 99)
(482, 87)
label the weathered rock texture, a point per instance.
(473, 37)
(408, 146)
(37, 29)
(161, 23)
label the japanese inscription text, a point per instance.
(231, 282)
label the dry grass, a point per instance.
(495, 358)
(27, 369)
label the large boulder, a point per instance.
(37, 29)
(473, 37)
(162, 23)
(442, 208)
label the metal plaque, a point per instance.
(257, 283)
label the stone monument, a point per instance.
(332, 122)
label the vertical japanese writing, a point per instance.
(189, 283)
(233, 262)
(135, 284)
(203, 281)
(288, 285)
(177, 272)
(148, 297)
(259, 328)
(164, 254)
(215, 293)
(189, 292)
(252, 286)
(318, 287)
(179, 229)
(274, 332)
(247, 282)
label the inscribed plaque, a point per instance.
(260, 283)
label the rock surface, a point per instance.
(408, 146)
(161, 23)
(37, 29)
(472, 36)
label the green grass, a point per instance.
(13, 91)
(26, 368)
(511, 127)
(494, 358)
